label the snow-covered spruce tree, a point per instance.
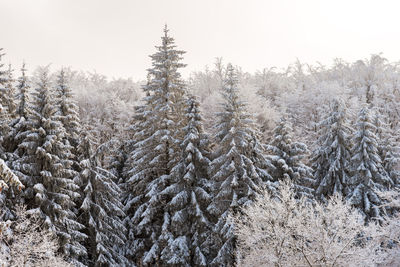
(368, 173)
(14, 137)
(23, 94)
(9, 94)
(68, 117)
(135, 179)
(388, 148)
(101, 209)
(53, 188)
(68, 109)
(7, 97)
(287, 158)
(331, 159)
(8, 182)
(133, 190)
(238, 168)
(7, 178)
(3, 73)
(23, 137)
(188, 226)
(7, 114)
(117, 160)
(156, 152)
(4, 115)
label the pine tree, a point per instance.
(54, 190)
(237, 169)
(188, 225)
(101, 209)
(331, 159)
(156, 152)
(368, 173)
(287, 158)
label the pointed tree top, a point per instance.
(10, 69)
(166, 30)
(62, 76)
(23, 68)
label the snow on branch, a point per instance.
(284, 231)
(8, 177)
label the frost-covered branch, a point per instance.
(25, 243)
(284, 231)
(8, 177)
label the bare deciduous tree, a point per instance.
(283, 231)
(26, 244)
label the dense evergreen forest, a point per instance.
(160, 172)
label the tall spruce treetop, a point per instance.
(166, 100)
(3, 73)
(24, 143)
(239, 167)
(187, 198)
(8, 102)
(23, 109)
(332, 157)
(4, 115)
(157, 150)
(287, 158)
(7, 96)
(68, 109)
(10, 93)
(368, 173)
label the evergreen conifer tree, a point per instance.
(101, 209)
(388, 148)
(287, 158)
(134, 187)
(68, 109)
(332, 157)
(368, 173)
(156, 152)
(23, 137)
(238, 169)
(4, 115)
(7, 97)
(54, 190)
(9, 94)
(188, 225)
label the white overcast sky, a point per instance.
(115, 37)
